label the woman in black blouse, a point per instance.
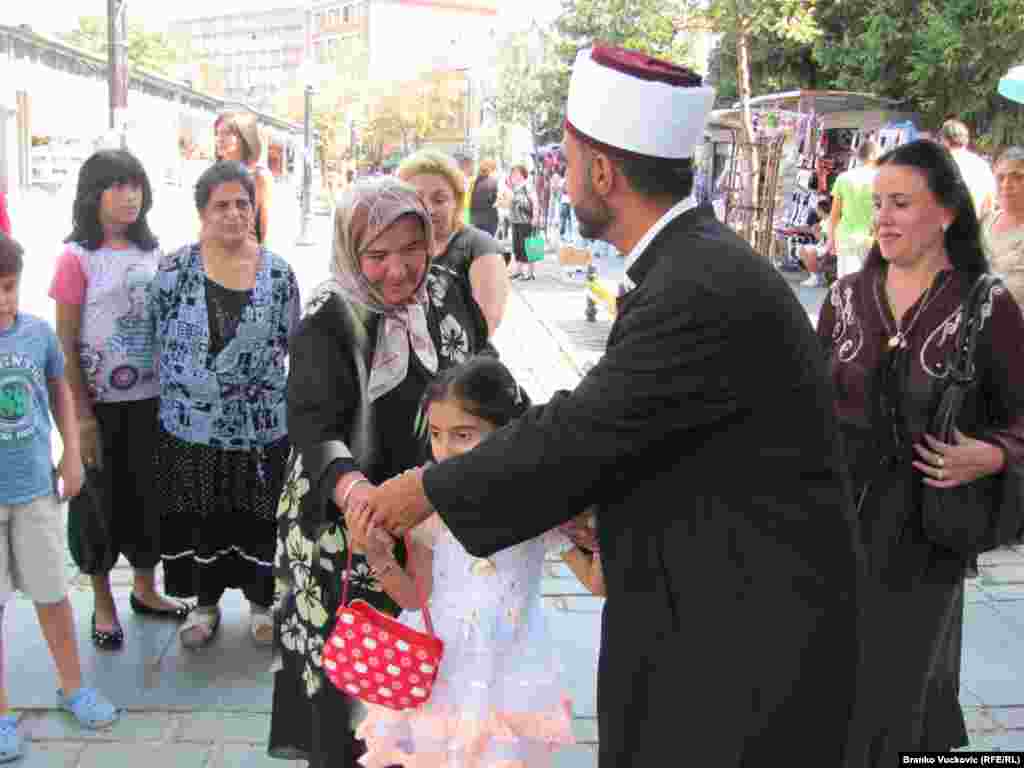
(482, 212)
(360, 363)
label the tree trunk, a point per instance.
(749, 197)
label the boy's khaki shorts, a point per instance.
(32, 550)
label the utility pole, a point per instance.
(306, 230)
(117, 64)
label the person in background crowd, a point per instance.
(104, 324)
(976, 172)
(224, 310)
(1003, 228)
(35, 394)
(469, 251)
(554, 208)
(238, 139)
(482, 213)
(524, 215)
(886, 331)
(5, 216)
(466, 166)
(849, 227)
(504, 206)
(400, 319)
(565, 212)
(814, 255)
(644, 437)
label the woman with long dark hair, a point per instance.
(100, 286)
(889, 330)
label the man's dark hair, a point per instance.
(654, 177)
(11, 252)
(223, 172)
(825, 204)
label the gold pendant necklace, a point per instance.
(899, 336)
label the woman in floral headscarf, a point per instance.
(360, 363)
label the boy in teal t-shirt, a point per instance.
(31, 529)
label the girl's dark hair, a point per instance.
(484, 387)
(99, 173)
(223, 172)
(942, 174)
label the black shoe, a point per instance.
(178, 614)
(107, 641)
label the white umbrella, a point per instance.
(1011, 85)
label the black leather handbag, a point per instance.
(987, 513)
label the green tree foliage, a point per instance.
(529, 78)
(534, 64)
(146, 50)
(945, 57)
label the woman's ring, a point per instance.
(941, 461)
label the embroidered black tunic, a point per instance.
(913, 612)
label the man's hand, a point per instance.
(71, 476)
(400, 503)
(351, 492)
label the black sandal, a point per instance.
(178, 613)
(107, 641)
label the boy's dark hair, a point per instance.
(223, 172)
(99, 173)
(11, 252)
(484, 387)
(825, 204)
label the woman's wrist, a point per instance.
(997, 458)
(357, 478)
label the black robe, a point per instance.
(708, 439)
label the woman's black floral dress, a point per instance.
(311, 719)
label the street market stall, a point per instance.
(803, 141)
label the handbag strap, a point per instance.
(962, 369)
(416, 586)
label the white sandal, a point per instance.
(200, 626)
(261, 625)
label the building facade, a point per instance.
(250, 55)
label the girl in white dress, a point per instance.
(498, 700)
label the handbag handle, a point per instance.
(962, 368)
(416, 586)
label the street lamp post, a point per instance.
(306, 229)
(117, 64)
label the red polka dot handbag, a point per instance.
(376, 658)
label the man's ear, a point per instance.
(603, 174)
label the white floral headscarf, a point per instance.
(364, 212)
